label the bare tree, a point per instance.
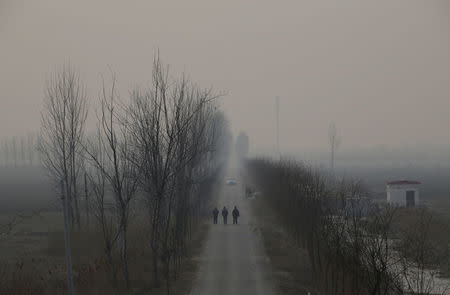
(421, 255)
(22, 150)
(115, 164)
(169, 143)
(62, 131)
(31, 148)
(5, 152)
(334, 140)
(104, 214)
(14, 151)
(168, 123)
(86, 200)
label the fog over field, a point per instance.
(129, 130)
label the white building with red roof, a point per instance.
(403, 193)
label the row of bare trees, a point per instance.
(19, 151)
(161, 149)
(352, 244)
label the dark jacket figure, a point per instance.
(224, 214)
(235, 215)
(215, 214)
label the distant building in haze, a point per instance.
(403, 193)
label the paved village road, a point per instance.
(233, 261)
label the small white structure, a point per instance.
(403, 193)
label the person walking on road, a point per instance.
(235, 215)
(215, 214)
(225, 214)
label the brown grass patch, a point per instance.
(33, 261)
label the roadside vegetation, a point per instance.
(350, 245)
(135, 191)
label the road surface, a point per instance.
(233, 261)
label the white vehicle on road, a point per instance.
(231, 181)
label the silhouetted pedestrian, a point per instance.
(215, 214)
(225, 214)
(235, 215)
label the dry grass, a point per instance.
(33, 260)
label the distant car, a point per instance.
(231, 181)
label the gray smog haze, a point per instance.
(380, 70)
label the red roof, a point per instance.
(396, 182)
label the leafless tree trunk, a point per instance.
(22, 151)
(5, 152)
(31, 146)
(86, 196)
(14, 150)
(105, 215)
(67, 240)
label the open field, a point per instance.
(434, 191)
(33, 253)
(24, 189)
(33, 260)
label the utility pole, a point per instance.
(335, 141)
(277, 118)
(67, 239)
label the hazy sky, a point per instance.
(379, 69)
